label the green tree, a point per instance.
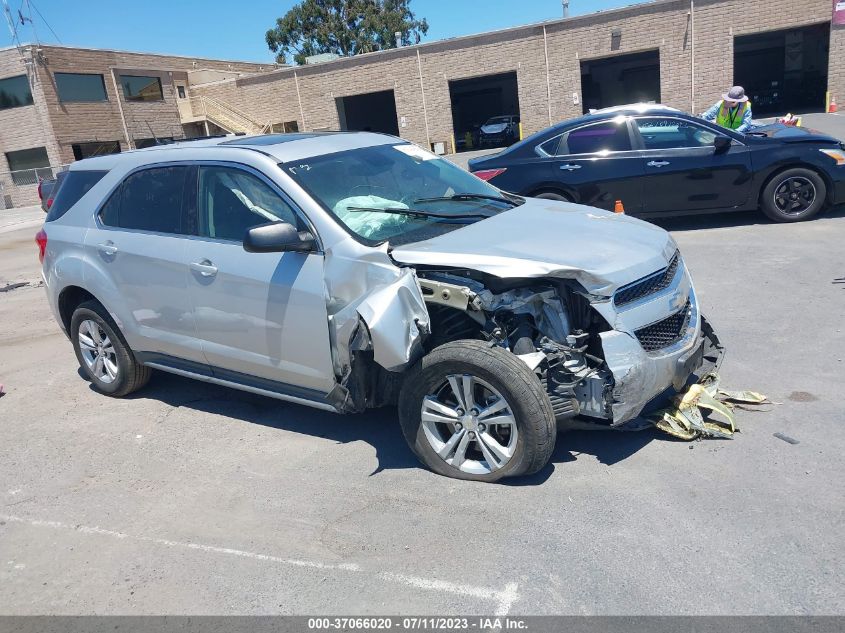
(344, 27)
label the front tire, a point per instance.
(103, 354)
(550, 195)
(793, 195)
(472, 411)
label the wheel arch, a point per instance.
(70, 298)
(559, 190)
(828, 183)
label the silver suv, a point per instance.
(346, 271)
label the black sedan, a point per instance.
(657, 161)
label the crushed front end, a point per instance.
(605, 356)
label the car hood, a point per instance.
(548, 238)
(494, 128)
(791, 134)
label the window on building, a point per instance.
(80, 87)
(15, 92)
(231, 201)
(140, 88)
(180, 91)
(610, 136)
(28, 165)
(287, 126)
(149, 200)
(97, 148)
(670, 133)
(141, 143)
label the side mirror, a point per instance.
(278, 237)
(722, 143)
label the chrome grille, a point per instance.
(649, 285)
(666, 332)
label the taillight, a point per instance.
(489, 174)
(41, 240)
(49, 202)
(40, 182)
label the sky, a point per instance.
(224, 29)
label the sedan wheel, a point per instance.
(98, 351)
(795, 195)
(470, 425)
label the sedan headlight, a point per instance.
(836, 154)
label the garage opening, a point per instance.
(371, 112)
(485, 111)
(620, 80)
(784, 71)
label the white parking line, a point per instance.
(503, 599)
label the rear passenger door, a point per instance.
(137, 247)
(598, 164)
(262, 317)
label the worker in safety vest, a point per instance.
(732, 112)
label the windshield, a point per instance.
(399, 193)
(498, 119)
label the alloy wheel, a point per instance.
(795, 195)
(97, 351)
(469, 424)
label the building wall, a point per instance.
(664, 25)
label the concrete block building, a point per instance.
(684, 53)
(60, 104)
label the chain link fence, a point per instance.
(20, 188)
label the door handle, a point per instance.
(107, 248)
(570, 167)
(657, 163)
(204, 268)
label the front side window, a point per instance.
(232, 201)
(599, 138)
(671, 133)
(400, 193)
(141, 88)
(149, 200)
(80, 87)
(15, 92)
(28, 165)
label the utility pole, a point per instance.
(565, 8)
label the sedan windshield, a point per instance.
(399, 193)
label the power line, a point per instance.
(32, 6)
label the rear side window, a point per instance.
(72, 186)
(610, 136)
(149, 200)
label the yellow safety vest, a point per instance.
(731, 120)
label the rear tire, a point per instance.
(508, 430)
(103, 354)
(793, 195)
(551, 195)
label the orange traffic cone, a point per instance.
(832, 106)
(618, 207)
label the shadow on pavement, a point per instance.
(379, 428)
(727, 220)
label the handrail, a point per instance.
(223, 113)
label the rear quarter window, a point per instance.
(72, 187)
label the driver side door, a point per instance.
(261, 317)
(683, 171)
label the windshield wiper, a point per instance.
(419, 214)
(468, 196)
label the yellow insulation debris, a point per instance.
(704, 410)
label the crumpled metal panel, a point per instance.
(602, 251)
(368, 288)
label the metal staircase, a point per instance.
(224, 116)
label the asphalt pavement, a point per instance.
(190, 498)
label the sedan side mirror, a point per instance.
(722, 143)
(278, 237)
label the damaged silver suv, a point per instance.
(347, 271)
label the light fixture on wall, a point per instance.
(615, 39)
